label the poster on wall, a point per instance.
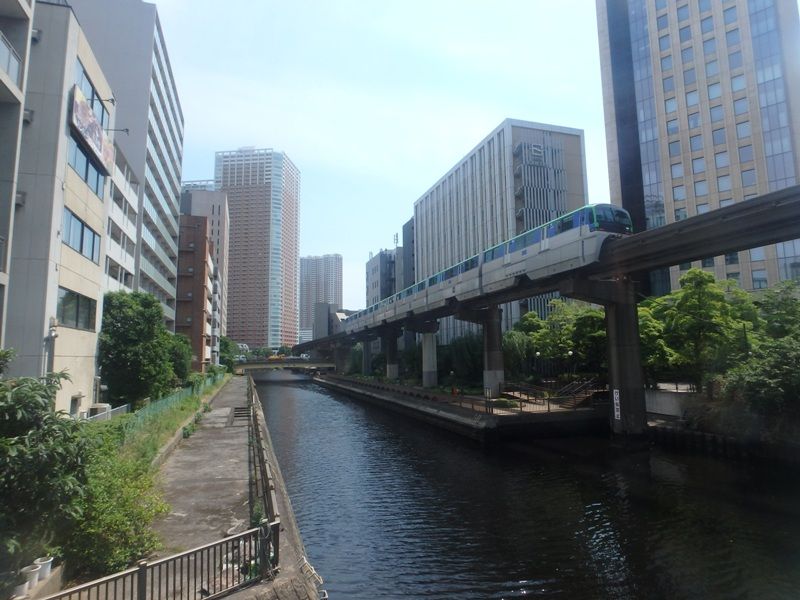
(91, 131)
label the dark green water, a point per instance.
(389, 508)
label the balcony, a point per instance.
(10, 61)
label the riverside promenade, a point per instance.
(205, 481)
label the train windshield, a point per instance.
(611, 218)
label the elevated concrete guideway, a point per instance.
(767, 219)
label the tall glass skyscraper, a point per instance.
(263, 188)
(130, 47)
(320, 281)
(702, 103)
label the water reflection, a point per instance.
(389, 508)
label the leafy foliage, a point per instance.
(42, 469)
(134, 348)
(227, 352)
(180, 356)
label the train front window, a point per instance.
(610, 218)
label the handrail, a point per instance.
(12, 54)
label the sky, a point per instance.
(375, 100)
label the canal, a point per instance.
(390, 508)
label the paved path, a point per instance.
(205, 482)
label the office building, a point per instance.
(521, 175)
(57, 274)
(129, 43)
(263, 189)
(380, 280)
(199, 198)
(702, 103)
(320, 281)
(16, 17)
(196, 269)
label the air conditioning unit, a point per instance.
(19, 199)
(27, 116)
(36, 35)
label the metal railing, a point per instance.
(114, 412)
(206, 572)
(9, 59)
(263, 500)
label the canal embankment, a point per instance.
(206, 481)
(477, 418)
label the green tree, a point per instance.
(180, 356)
(589, 341)
(529, 323)
(227, 352)
(657, 356)
(518, 352)
(134, 355)
(701, 325)
(780, 308)
(42, 469)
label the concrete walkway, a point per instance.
(205, 482)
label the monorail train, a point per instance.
(569, 242)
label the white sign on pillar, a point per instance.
(617, 411)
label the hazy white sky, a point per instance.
(375, 100)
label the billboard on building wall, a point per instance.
(86, 124)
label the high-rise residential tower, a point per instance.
(263, 188)
(15, 39)
(520, 176)
(702, 103)
(130, 47)
(320, 281)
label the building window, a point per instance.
(84, 166)
(80, 237)
(704, 5)
(687, 55)
(685, 266)
(678, 193)
(748, 178)
(698, 165)
(683, 12)
(714, 91)
(712, 68)
(707, 262)
(721, 159)
(685, 34)
(733, 275)
(694, 120)
(717, 114)
(743, 130)
(735, 60)
(75, 310)
(729, 15)
(670, 105)
(724, 183)
(732, 258)
(732, 37)
(746, 154)
(689, 77)
(726, 202)
(662, 22)
(672, 126)
(757, 254)
(92, 97)
(701, 188)
(677, 170)
(680, 214)
(710, 46)
(692, 98)
(696, 142)
(675, 148)
(759, 279)
(702, 208)
(661, 4)
(738, 83)
(669, 84)
(663, 42)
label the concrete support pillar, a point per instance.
(628, 412)
(493, 370)
(390, 348)
(429, 362)
(341, 356)
(366, 357)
